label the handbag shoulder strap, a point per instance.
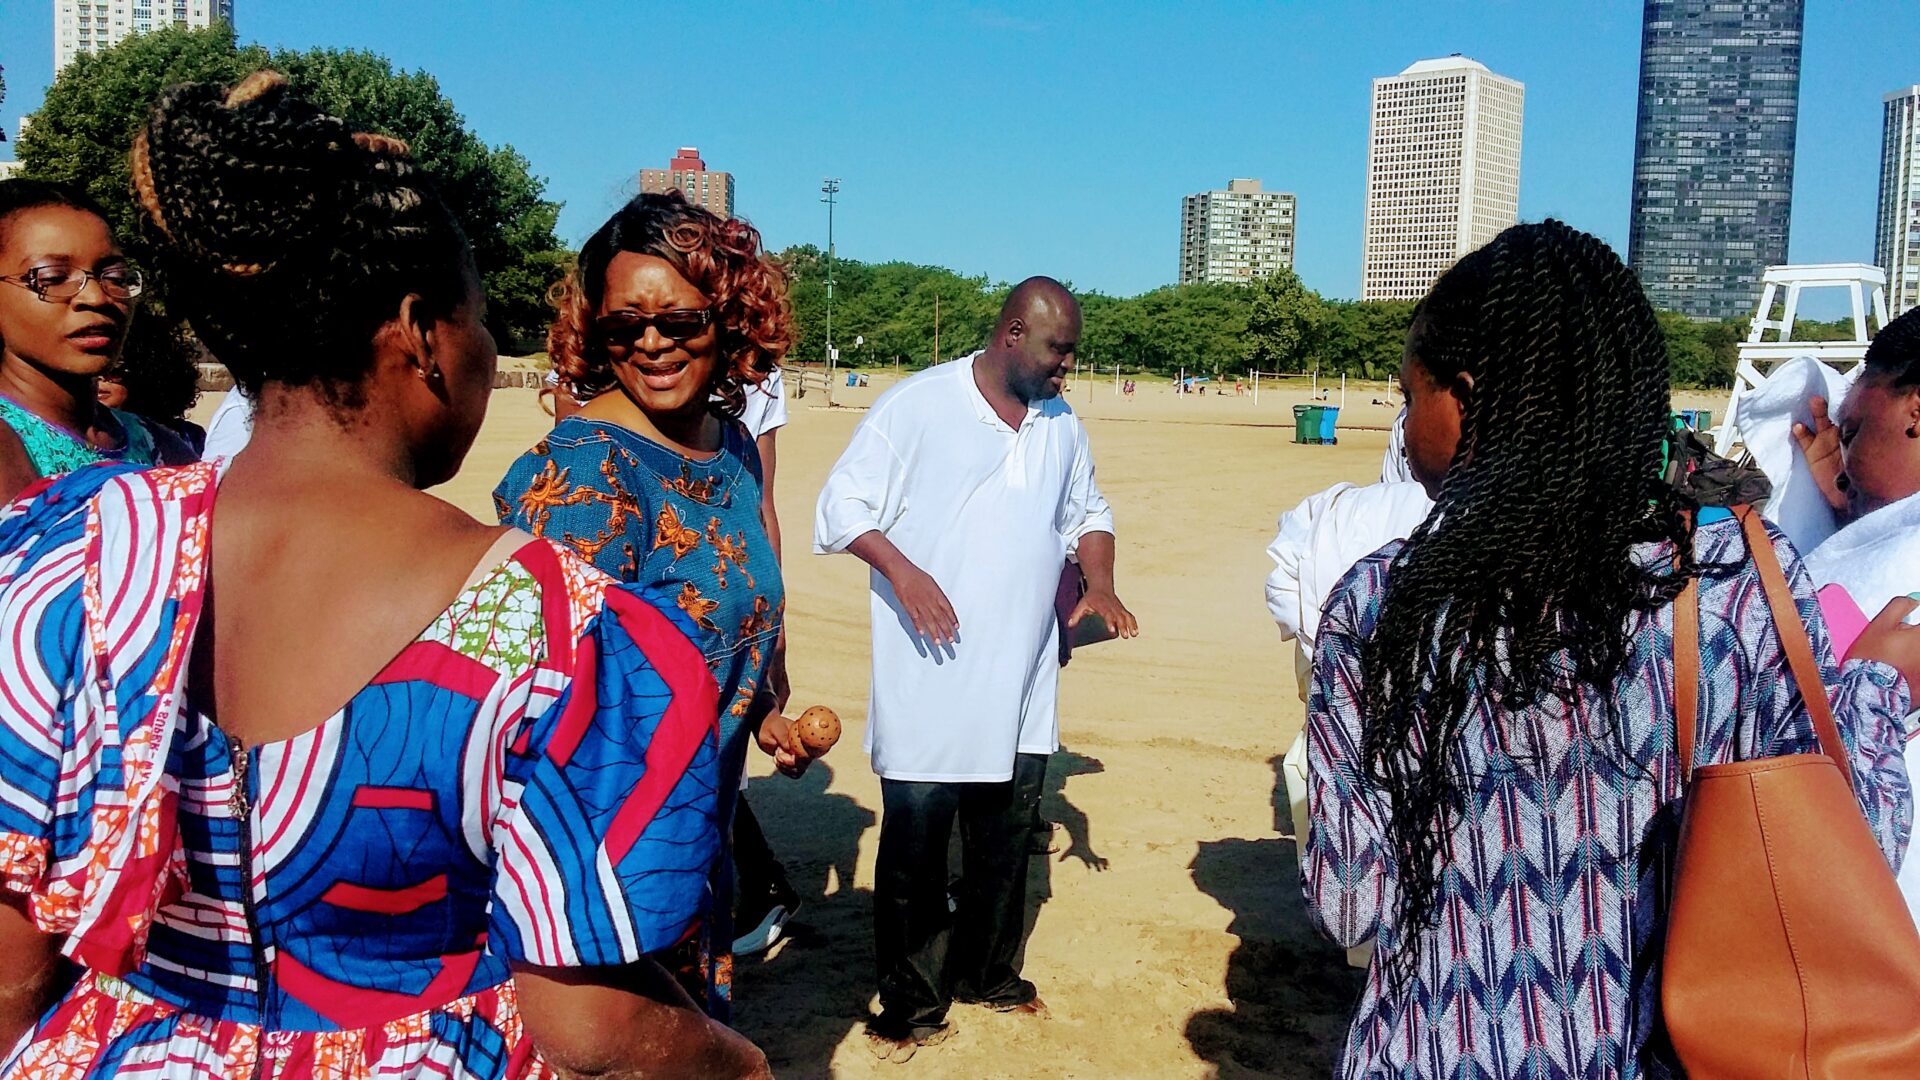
(1794, 640)
(1686, 673)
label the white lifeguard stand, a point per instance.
(1866, 288)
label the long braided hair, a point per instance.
(290, 237)
(1520, 585)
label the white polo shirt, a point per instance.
(992, 514)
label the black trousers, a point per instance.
(760, 874)
(928, 954)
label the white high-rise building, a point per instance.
(1443, 171)
(1896, 234)
(1235, 235)
(86, 26)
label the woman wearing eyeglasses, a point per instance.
(671, 315)
(66, 300)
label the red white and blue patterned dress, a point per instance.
(1544, 962)
(533, 780)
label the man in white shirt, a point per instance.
(965, 489)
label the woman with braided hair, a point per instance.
(308, 772)
(1493, 789)
(67, 298)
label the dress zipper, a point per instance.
(240, 805)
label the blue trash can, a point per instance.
(1329, 424)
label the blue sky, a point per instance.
(1011, 140)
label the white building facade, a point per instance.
(88, 26)
(1896, 234)
(1236, 235)
(1443, 171)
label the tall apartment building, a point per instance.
(1236, 235)
(1443, 171)
(1896, 233)
(1713, 152)
(701, 186)
(86, 26)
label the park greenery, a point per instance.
(82, 132)
(1273, 324)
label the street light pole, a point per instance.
(829, 188)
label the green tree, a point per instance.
(1283, 321)
(83, 130)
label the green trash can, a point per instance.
(1305, 424)
(1703, 420)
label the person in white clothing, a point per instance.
(230, 428)
(1320, 540)
(965, 489)
(1395, 469)
(1866, 461)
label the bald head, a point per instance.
(1036, 297)
(1035, 339)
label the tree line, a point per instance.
(883, 313)
(1273, 324)
(82, 132)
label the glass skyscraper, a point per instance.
(1713, 151)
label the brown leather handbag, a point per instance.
(1789, 950)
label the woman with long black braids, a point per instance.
(1493, 784)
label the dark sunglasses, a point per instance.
(626, 328)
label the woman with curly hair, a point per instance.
(308, 771)
(672, 314)
(1493, 787)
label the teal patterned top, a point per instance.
(55, 450)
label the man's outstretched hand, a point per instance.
(1108, 608)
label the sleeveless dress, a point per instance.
(54, 450)
(690, 527)
(532, 779)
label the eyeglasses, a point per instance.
(53, 284)
(626, 328)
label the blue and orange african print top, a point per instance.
(689, 526)
(1544, 961)
(532, 779)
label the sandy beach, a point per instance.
(1169, 935)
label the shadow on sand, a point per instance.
(799, 1003)
(1291, 990)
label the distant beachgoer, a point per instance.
(64, 312)
(1129, 390)
(1515, 938)
(387, 792)
(672, 316)
(965, 489)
